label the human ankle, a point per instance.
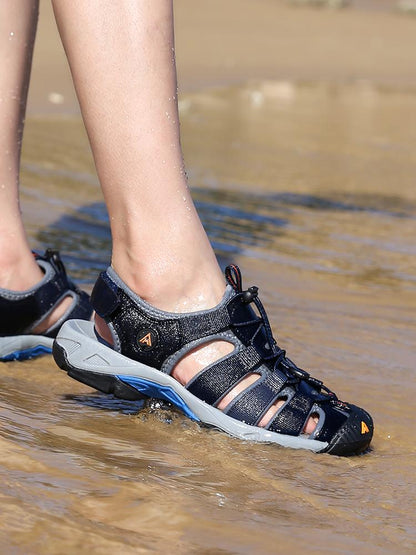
(20, 272)
(184, 286)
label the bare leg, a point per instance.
(18, 269)
(18, 19)
(122, 61)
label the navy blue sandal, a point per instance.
(148, 343)
(22, 311)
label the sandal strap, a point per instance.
(107, 297)
(80, 309)
(335, 417)
(194, 327)
(117, 304)
(216, 380)
(104, 297)
(292, 416)
(27, 309)
(253, 403)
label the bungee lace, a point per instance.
(278, 355)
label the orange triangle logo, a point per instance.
(146, 340)
(364, 428)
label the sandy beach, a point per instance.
(299, 133)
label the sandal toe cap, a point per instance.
(355, 435)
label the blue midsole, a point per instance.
(25, 354)
(153, 389)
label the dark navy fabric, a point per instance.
(194, 327)
(150, 338)
(17, 316)
(291, 419)
(216, 380)
(334, 419)
(104, 296)
(131, 323)
(241, 313)
(251, 406)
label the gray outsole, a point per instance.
(17, 343)
(79, 353)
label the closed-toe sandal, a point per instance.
(23, 311)
(148, 343)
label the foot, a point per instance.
(203, 297)
(24, 273)
(33, 307)
(193, 363)
(255, 392)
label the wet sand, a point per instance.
(302, 167)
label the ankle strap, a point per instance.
(22, 311)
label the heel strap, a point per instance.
(151, 335)
(24, 310)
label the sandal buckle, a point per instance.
(55, 259)
(249, 295)
(301, 374)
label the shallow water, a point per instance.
(310, 189)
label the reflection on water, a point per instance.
(295, 184)
(367, 236)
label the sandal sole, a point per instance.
(23, 347)
(78, 352)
